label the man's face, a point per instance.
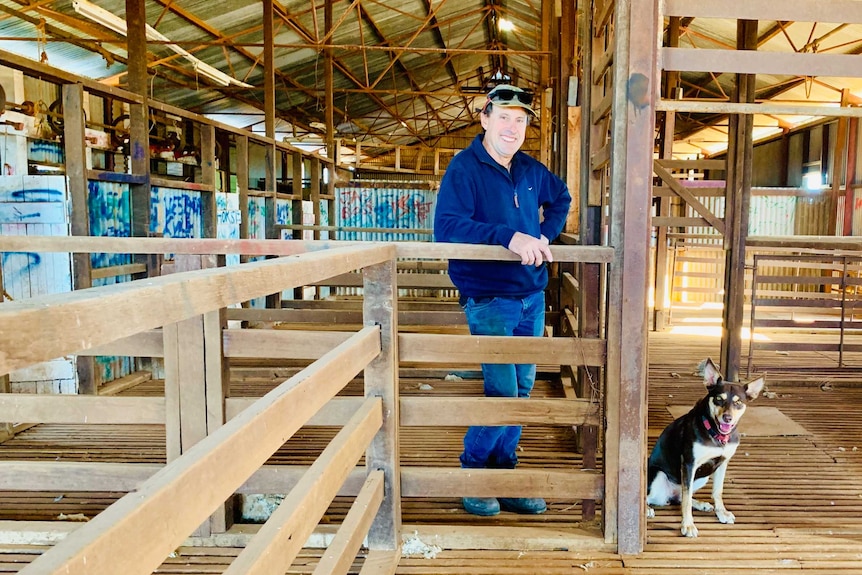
(505, 129)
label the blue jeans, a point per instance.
(494, 446)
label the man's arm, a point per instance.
(556, 206)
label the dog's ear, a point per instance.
(711, 375)
(753, 388)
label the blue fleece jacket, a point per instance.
(480, 202)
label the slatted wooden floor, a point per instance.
(797, 499)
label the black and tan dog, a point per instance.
(697, 446)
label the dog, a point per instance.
(697, 446)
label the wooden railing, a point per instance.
(224, 442)
(212, 459)
(811, 292)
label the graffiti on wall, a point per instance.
(175, 213)
(36, 206)
(110, 213)
(256, 218)
(385, 208)
(228, 218)
(30, 206)
(283, 212)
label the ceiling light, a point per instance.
(118, 25)
(505, 25)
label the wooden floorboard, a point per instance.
(797, 499)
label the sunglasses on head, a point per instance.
(507, 95)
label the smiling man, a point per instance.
(492, 193)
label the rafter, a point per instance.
(282, 13)
(416, 34)
(222, 38)
(402, 68)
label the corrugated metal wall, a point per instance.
(857, 212)
(812, 216)
(110, 216)
(381, 210)
(175, 213)
(385, 208)
(36, 205)
(772, 216)
(698, 274)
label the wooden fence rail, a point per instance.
(225, 456)
(210, 439)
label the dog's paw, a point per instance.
(725, 516)
(702, 505)
(689, 530)
(650, 512)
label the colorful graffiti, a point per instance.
(283, 212)
(256, 218)
(385, 208)
(175, 213)
(110, 211)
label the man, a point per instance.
(492, 194)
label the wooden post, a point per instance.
(850, 177)
(297, 160)
(547, 101)
(590, 196)
(661, 254)
(76, 176)
(209, 210)
(6, 427)
(633, 120)
(195, 381)
(328, 84)
(568, 39)
(380, 307)
(839, 165)
(573, 168)
(740, 151)
(139, 129)
(242, 184)
(271, 232)
(217, 389)
(314, 177)
(296, 169)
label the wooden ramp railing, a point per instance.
(168, 506)
(210, 435)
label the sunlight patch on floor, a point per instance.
(712, 331)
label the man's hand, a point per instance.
(533, 251)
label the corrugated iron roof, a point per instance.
(404, 71)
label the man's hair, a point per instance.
(489, 105)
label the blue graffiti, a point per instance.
(110, 216)
(16, 265)
(35, 195)
(175, 213)
(21, 216)
(283, 212)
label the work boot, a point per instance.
(525, 505)
(484, 506)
